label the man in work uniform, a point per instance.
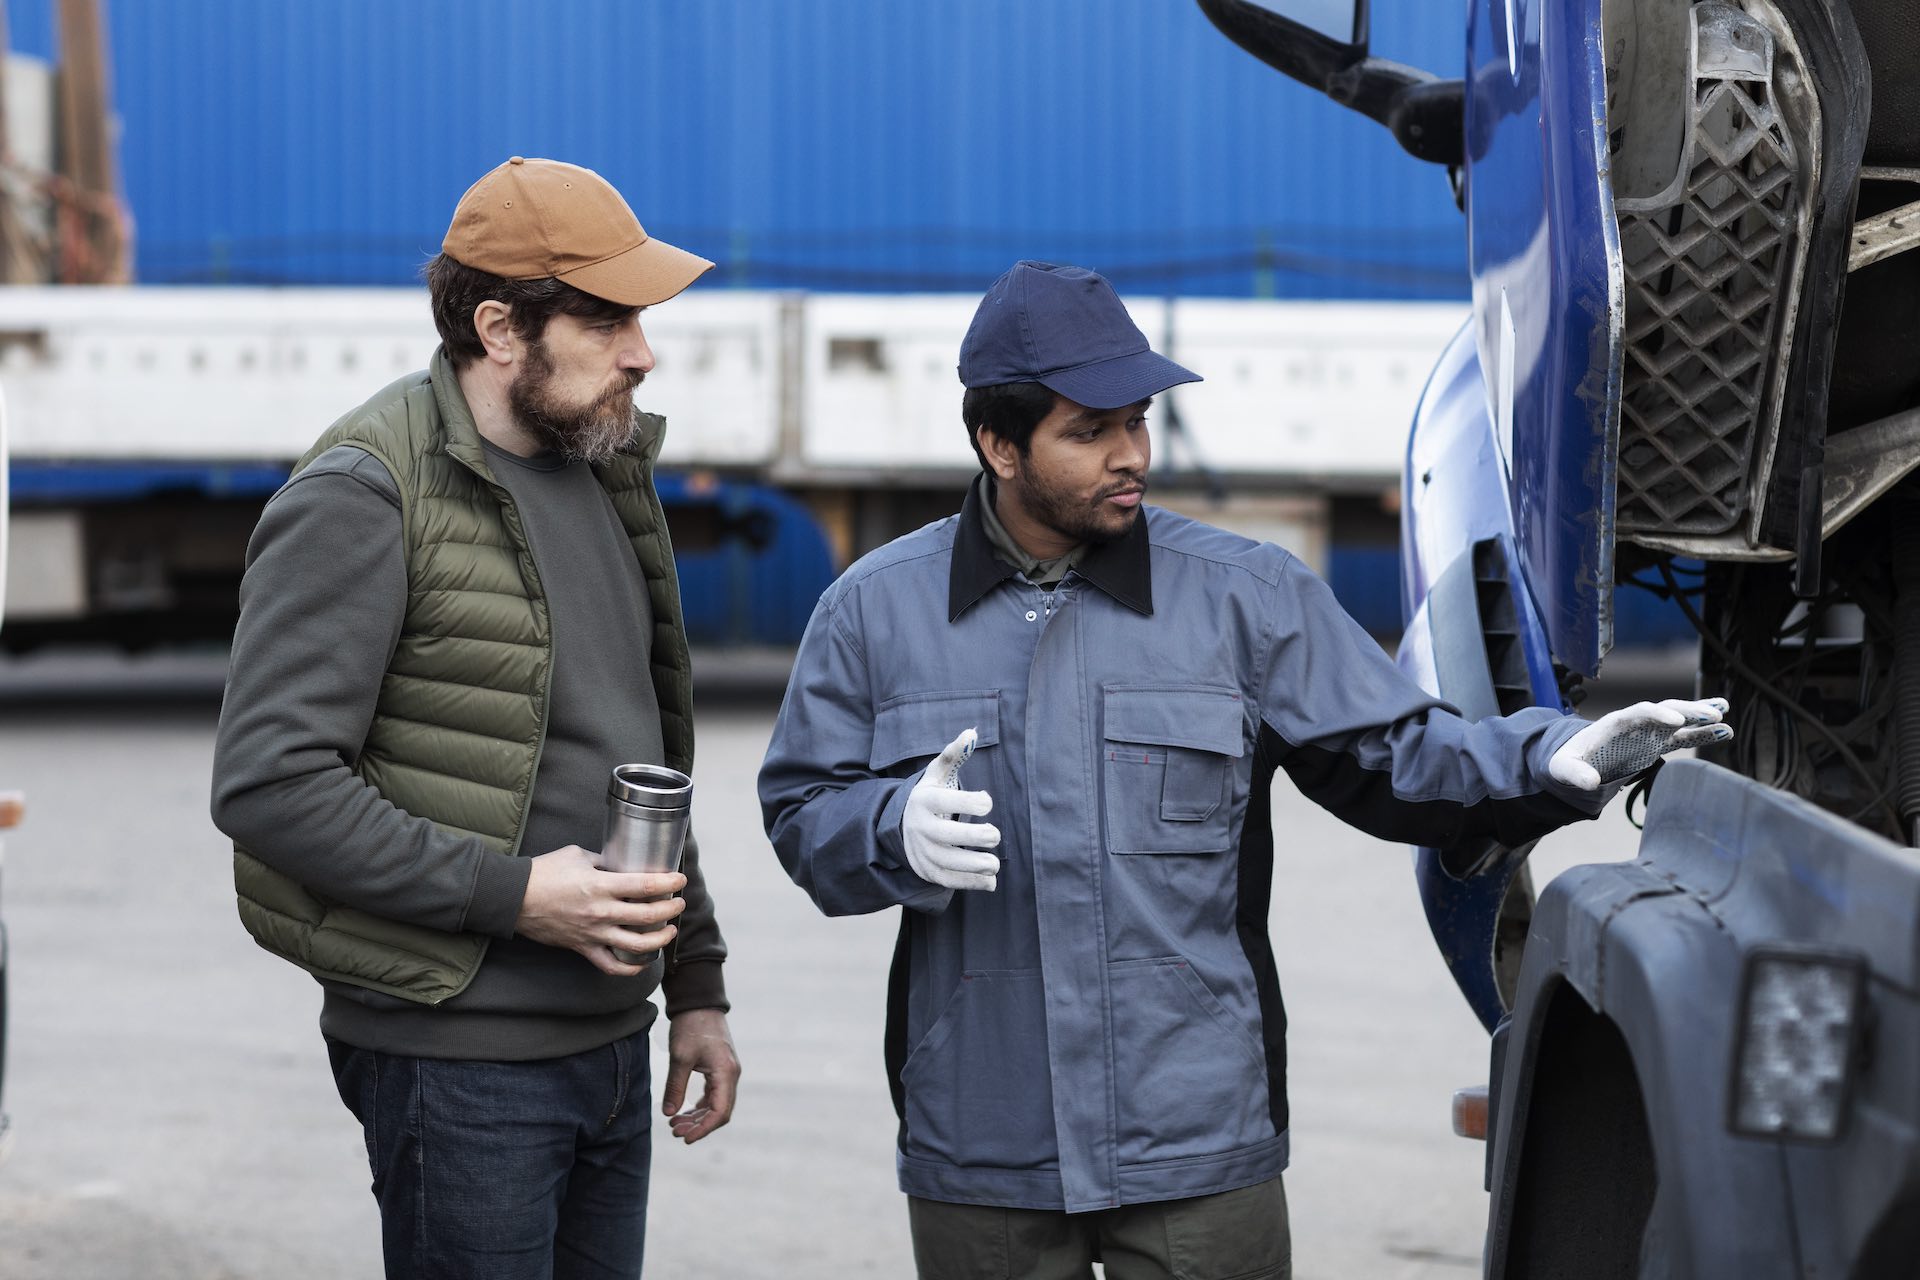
(1085, 1034)
(457, 617)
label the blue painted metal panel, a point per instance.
(1366, 582)
(37, 481)
(1547, 290)
(1453, 489)
(759, 584)
(833, 144)
(1454, 494)
(1642, 619)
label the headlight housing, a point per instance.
(1802, 1018)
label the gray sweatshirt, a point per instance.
(322, 605)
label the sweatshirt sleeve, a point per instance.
(834, 821)
(1361, 739)
(321, 606)
(693, 979)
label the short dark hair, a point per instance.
(456, 290)
(1011, 410)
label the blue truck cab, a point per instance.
(1690, 367)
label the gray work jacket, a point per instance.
(1106, 1028)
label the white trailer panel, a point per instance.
(146, 373)
(1318, 392)
(819, 389)
(1304, 391)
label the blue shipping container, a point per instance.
(829, 144)
(826, 145)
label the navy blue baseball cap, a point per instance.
(1064, 328)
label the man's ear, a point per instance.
(492, 324)
(1001, 453)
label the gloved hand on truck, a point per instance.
(1633, 739)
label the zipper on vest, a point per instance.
(510, 516)
(539, 748)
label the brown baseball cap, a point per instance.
(529, 219)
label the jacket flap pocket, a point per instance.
(922, 724)
(1173, 716)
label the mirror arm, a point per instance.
(1287, 47)
(1425, 114)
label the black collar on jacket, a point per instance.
(1121, 568)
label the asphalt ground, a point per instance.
(175, 1119)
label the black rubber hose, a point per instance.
(1906, 659)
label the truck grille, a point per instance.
(1708, 279)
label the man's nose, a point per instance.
(634, 352)
(1131, 457)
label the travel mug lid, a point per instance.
(651, 786)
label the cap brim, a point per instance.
(1121, 381)
(650, 272)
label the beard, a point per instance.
(1072, 516)
(593, 431)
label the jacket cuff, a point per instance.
(890, 844)
(499, 891)
(890, 857)
(695, 984)
(1555, 736)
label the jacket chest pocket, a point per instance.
(908, 731)
(1169, 760)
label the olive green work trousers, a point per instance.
(1235, 1235)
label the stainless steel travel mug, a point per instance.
(648, 809)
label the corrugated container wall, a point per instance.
(824, 144)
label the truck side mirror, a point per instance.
(1323, 45)
(1341, 24)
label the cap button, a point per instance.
(517, 160)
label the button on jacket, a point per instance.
(1106, 1028)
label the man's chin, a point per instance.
(1111, 526)
(597, 446)
(595, 440)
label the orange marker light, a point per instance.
(1470, 1112)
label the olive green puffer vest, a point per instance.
(461, 718)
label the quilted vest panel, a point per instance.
(461, 716)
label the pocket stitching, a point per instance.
(1136, 824)
(1190, 825)
(1221, 779)
(1210, 1004)
(941, 1029)
(1230, 743)
(984, 705)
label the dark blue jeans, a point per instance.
(506, 1170)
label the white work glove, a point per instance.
(941, 851)
(1623, 743)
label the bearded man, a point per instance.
(1084, 1034)
(458, 616)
